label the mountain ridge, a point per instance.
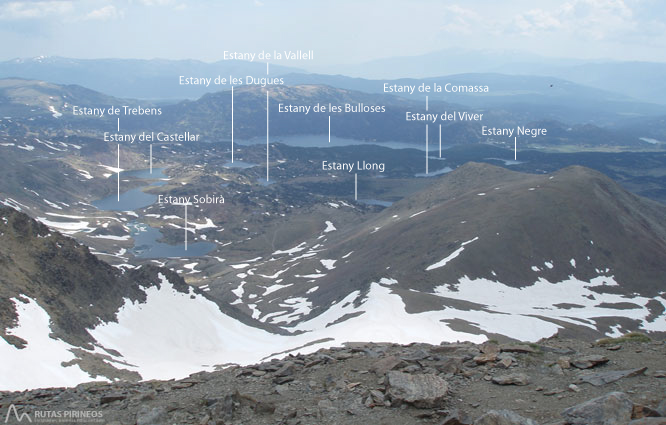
(147, 79)
(50, 114)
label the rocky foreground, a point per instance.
(558, 381)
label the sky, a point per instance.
(339, 32)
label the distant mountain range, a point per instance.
(28, 106)
(448, 61)
(532, 97)
(572, 91)
(640, 80)
(156, 79)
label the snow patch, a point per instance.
(55, 113)
(298, 248)
(85, 174)
(66, 227)
(522, 313)
(451, 256)
(39, 363)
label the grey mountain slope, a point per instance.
(29, 98)
(511, 234)
(521, 221)
(76, 289)
(518, 229)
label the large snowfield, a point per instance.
(174, 334)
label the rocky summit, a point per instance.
(556, 381)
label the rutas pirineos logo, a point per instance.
(52, 416)
(19, 417)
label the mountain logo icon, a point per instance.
(19, 418)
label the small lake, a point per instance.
(435, 173)
(321, 141)
(262, 181)
(375, 202)
(505, 161)
(132, 199)
(128, 201)
(147, 246)
(145, 238)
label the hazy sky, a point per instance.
(343, 31)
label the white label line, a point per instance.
(232, 124)
(426, 103)
(440, 140)
(515, 148)
(426, 148)
(355, 187)
(185, 227)
(267, 146)
(118, 166)
(329, 129)
(118, 124)
(151, 158)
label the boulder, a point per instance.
(602, 378)
(384, 365)
(422, 391)
(450, 365)
(456, 417)
(287, 369)
(490, 348)
(662, 408)
(503, 417)
(640, 411)
(151, 416)
(517, 348)
(485, 358)
(587, 362)
(611, 409)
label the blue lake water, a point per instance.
(435, 173)
(262, 181)
(322, 142)
(376, 202)
(145, 238)
(147, 246)
(132, 199)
